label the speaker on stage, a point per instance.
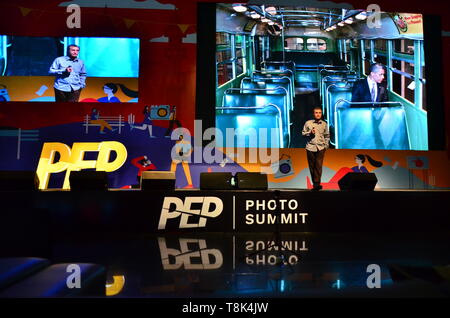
(18, 180)
(358, 181)
(158, 180)
(88, 180)
(216, 181)
(251, 181)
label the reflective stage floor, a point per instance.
(227, 265)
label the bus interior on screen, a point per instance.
(274, 64)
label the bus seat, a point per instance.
(333, 76)
(243, 120)
(279, 65)
(234, 98)
(271, 84)
(250, 84)
(306, 77)
(257, 75)
(333, 93)
(381, 127)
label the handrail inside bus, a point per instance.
(256, 89)
(256, 79)
(278, 62)
(266, 71)
(369, 104)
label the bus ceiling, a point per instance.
(330, 23)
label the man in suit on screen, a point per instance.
(370, 89)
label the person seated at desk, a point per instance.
(95, 119)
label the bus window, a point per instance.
(347, 51)
(294, 44)
(380, 59)
(264, 47)
(348, 45)
(367, 66)
(222, 39)
(230, 56)
(404, 46)
(402, 84)
(240, 54)
(380, 54)
(314, 44)
(366, 47)
(224, 58)
(380, 45)
(224, 73)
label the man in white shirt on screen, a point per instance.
(70, 75)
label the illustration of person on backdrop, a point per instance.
(95, 119)
(111, 88)
(70, 75)
(4, 97)
(172, 121)
(318, 142)
(143, 164)
(183, 150)
(360, 159)
(146, 123)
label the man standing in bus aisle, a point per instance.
(371, 89)
(70, 75)
(172, 121)
(318, 142)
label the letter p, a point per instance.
(166, 214)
